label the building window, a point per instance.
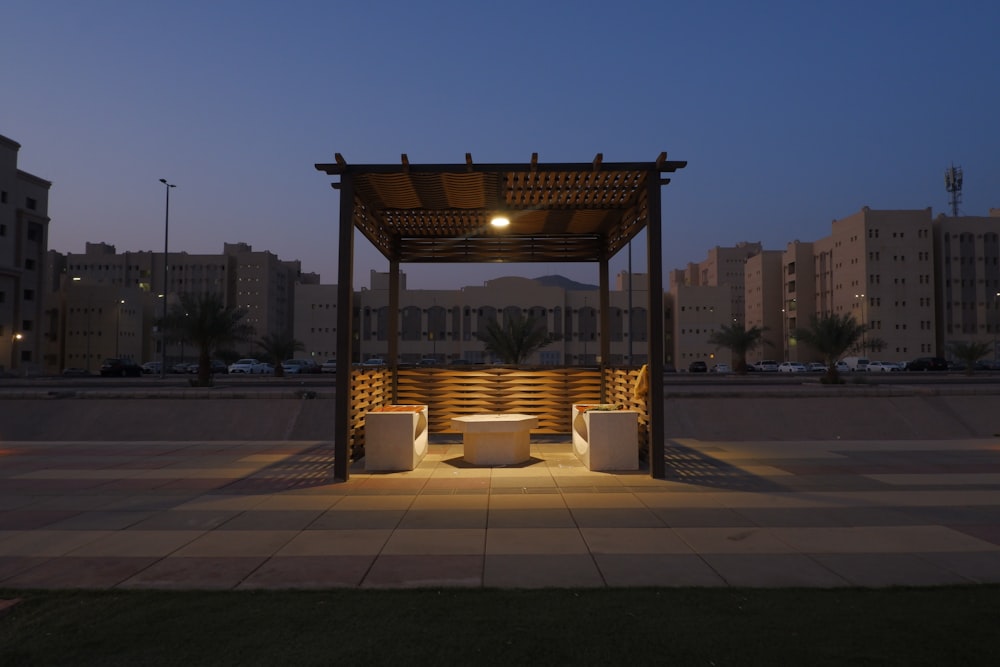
(30, 203)
(29, 295)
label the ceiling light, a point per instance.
(499, 221)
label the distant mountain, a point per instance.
(564, 282)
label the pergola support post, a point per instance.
(345, 330)
(392, 327)
(604, 284)
(654, 262)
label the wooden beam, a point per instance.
(468, 161)
(598, 159)
(660, 159)
(534, 162)
(406, 163)
(340, 159)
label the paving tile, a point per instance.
(452, 502)
(733, 540)
(309, 572)
(880, 539)
(634, 541)
(541, 571)
(340, 519)
(526, 501)
(73, 572)
(420, 571)
(979, 566)
(201, 573)
(530, 518)
(335, 543)
(616, 517)
(444, 518)
(401, 502)
(429, 541)
(185, 520)
(101, 520)
(535, 541)
(889, 569)
(704, 517)
(237, 543)
(137, 543)
(28, 519)
(660, 569)
(601, 500)
(47, 543)
(772, 570)
(12, 565)
(271, 520)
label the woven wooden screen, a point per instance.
(370, 389)
(619, 384)
(546, 394)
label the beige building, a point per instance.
(764, 304)
(878, 266)
(24, 227)
(967, 254)
(695, 313)
(445, 324)
(104, 295)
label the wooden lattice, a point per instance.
(545, 394)
(370, 389)
(619, 386)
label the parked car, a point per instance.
(120, 368)
(152, 367)
(697, 367)
(300, 366)
(927, 364)
(250, 366)
(75, 372)
(856, 363)
(791, 367)
(842, 367)
(429, 361)
(460, 362)
(987, 365)
(883, 367)
(722, 368)
(180, 367)
(373, 362)
(328, 366)
(766, 366)
(816, 367)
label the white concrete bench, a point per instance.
(395, 437)
(605, 440)
(495, 439)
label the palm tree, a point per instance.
(279, 347)
(739, 340)
(969, 352)
(831, 335)
(517, 340)
(206, 321)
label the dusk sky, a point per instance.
(790, 114)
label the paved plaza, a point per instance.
(251, 515)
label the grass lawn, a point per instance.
(901, 626)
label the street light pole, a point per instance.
(163, 324)
(864, 343)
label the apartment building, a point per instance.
(24, 229)
(764, 304)
(696, 312)
(967, 279)
(109, 301)
(878, 266)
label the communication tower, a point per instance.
(953, 184)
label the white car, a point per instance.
(842, 367)
(721, 368)
(328, 366)
(766, 366)
(883, 367)
(791, 367)
(816, 367)
(250, 366)
(299, 366)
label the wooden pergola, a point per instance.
(558, 212)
